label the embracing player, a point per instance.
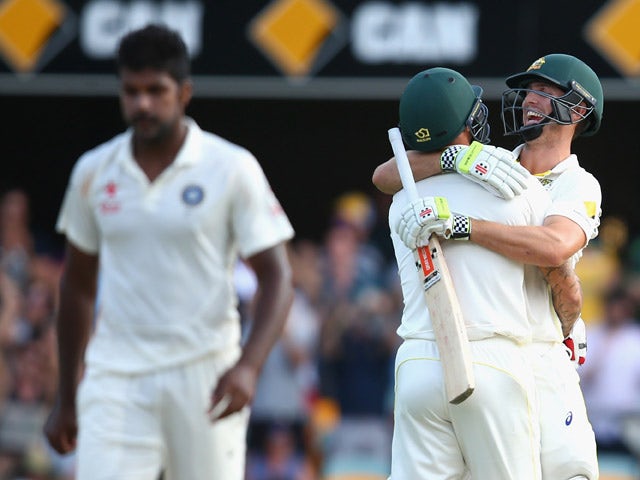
(484, 435)
(557, 99)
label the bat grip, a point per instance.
(402, 161)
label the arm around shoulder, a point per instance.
(548, 245)
(386, 176)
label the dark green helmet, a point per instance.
(437, 105)
(579, 82)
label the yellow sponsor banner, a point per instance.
(291, 32)
(614, 32)
(25, 28)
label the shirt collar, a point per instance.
(570, 162)
(188, 154)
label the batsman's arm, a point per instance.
(386, 177)
(547, 245)
(566, 294)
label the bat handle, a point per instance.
(402, 161)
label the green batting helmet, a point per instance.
(436, 106)
(574, 77)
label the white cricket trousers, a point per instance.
(494, 434)
(567, 438)
(135, 426)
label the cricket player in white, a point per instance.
(494, 433)
(162, 212)
(555, 100)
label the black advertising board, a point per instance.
(303, 39)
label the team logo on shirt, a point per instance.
(192, 194)
(545, 182)
(111, 204)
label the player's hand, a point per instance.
(576, 343)
(61, 428)
(496, 169)
(423, 217)
(234, 391)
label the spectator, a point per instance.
(600, 267)
(288, 381)
(28, 370)
(611, 376)
(16, 240)
(279, 458)
(357, 344)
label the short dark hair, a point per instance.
(157, 47)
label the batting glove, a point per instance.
(429, 215)
(496, 169)
(576, 343)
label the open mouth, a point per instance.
(531, 117)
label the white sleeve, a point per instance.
(76, 219)
(577, 196)
(258, 220)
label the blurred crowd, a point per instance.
(29, 277)
(323, 408)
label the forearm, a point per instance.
(271, 306)
(532, 245)
(566, 294)
(73, 326)
(386, 176)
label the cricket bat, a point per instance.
(439, 293)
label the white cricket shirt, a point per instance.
(168, 248)
(490, 287)
(575, 194)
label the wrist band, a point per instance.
(448, 158)
(461, 228)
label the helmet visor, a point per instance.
(478, 121)
(563, 109)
